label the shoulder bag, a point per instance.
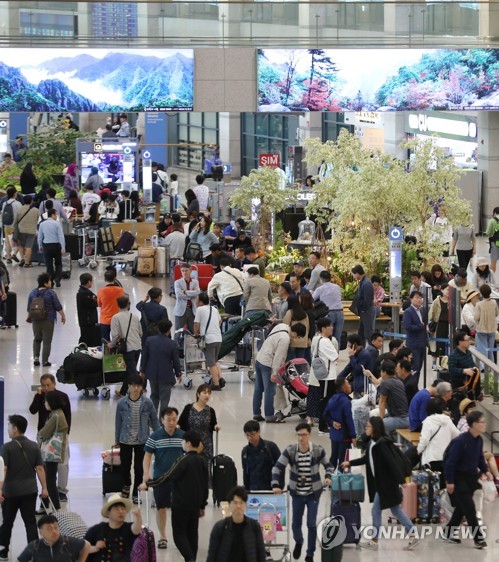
(234, 277)
(15, 235)
(202, 339)
(321, 372)
(121, 344)
(52, 447)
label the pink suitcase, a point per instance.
(410, 500)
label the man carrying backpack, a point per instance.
(43, 306)
(9, 210)
(493, 236)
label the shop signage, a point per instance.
(271, 160)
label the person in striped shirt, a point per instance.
(166, 445)
(305, 485)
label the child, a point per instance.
(338, 414)
(379, 293)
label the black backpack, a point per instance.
(194, 252)
(8, 214)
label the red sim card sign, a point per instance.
(270, 160)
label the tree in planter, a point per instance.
(260, 194)
(364, 195)
(432, 182)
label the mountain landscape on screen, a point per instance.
(97, 80)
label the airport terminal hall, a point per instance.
(249, 299)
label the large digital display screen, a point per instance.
(377, 79)
(107, 80)
(113, 167)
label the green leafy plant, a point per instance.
(283, 259)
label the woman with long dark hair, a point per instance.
(56, 423)
(439, 278)
(28, 180)
(296, 315)
(201, 234)
(385, 476)
(192, 202)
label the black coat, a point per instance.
(388, 474)
(221, 541)
(86, 305)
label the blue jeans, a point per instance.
(337, 320)
(484, 341)
(263, 385)
(366, 325)
(397, 512)
(394, 422)
(299, 503)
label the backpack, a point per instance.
(37, 310)
(8, 214)
(321, 371)
(194, 252)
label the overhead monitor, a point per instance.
(109, 80)
(376, 80)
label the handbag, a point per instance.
(354, 307)
(321, 372)
(121, 343)
(348, 487)
(15, 234)
(52, 447)
(202, 339)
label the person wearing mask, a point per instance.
(483, 274)
(86, 306)
(314, 261)
(305, 485)
(364, 304)
(56, 423)
(207, 323)
(25, 224)
(48, 385)
(28, 180)
(237, 537)
(135, 414)
(338, 416)
(384, 482)
(464, 464)
(417, 335)
(229, 286)
(258, 457)
(436, 434)
(257, 294)
(160, 365)
(107, 301)
(43, 329)
(71, 180)
(360, 360)
(19, 488)
(330, 294)
(324, 346)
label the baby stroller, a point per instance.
(293, 377)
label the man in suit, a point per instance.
(160, 365)
(365, 304)
(417, 335)
(186, 291)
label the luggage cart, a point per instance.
(272, 512)
(87, 232)
(194, 361)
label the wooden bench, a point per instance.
(408, 436)
(351, 317)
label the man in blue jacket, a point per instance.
(160, 365)
(151, 312)
(464, 463)
(338, 414)
(360, 360)
(417, 335)
(364, 301)
(417, 407)
(258, 458)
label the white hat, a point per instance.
(482, 261)
(113, 500)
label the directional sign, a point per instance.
(396, 233)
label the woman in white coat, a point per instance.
(468, 321)
(437, 432)
(319, 392)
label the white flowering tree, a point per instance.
(261, 196)
(361, 198)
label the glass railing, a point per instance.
(255, 24)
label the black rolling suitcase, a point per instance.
(73, 246)
(125, 243)
(10, 310)
(66, 266)
(224, 475)
(112, 480)
(243, 354)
